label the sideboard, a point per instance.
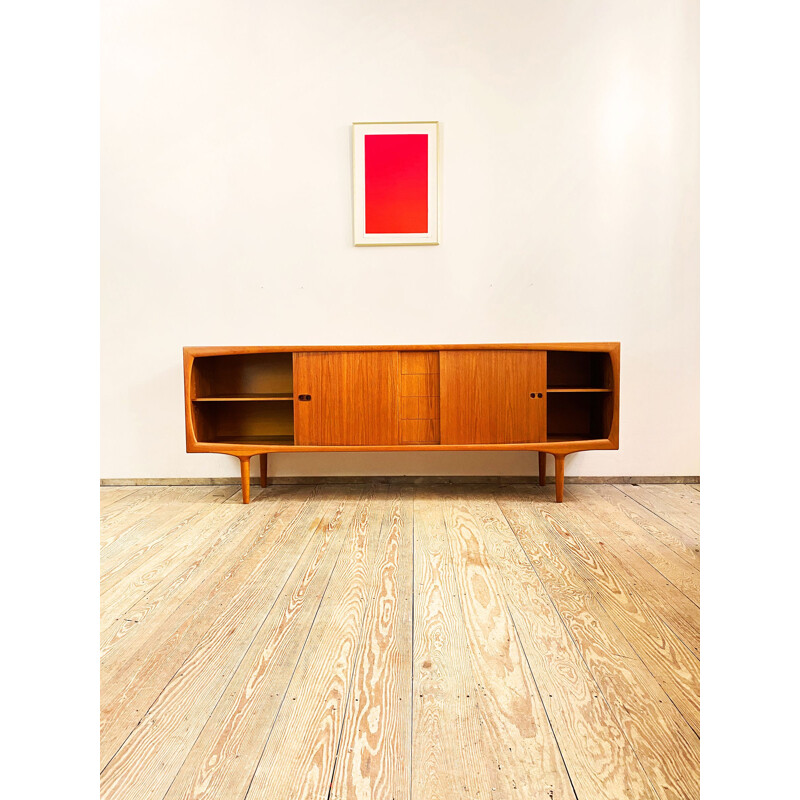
(548, 398)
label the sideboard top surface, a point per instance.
(230, 350)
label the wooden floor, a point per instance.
(390, 642)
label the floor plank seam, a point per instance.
(656, 614)
(577, 650)
(670, 545)
(299, 654)
(180, 667)
(541, 700)
(183, 663)
(355, 664)
(630, 590)
(478, 702)
(599, 690)
(413, 633)
(592, 585)
(599, 596)
(646, 666)
(669, 524)
(655, 513)
(156, 586)
(138, 600)
(241, 660)
(641, 555)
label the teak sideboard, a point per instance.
(550, 398)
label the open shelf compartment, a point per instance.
(244, 399)
(579, 371)
(573, 416)
(233, 422)
(248, 376)
(580, 395)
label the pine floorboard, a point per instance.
(374, 642)
(669, 506)
(113, 494)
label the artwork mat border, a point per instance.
(362, 239)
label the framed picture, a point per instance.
(395, 183)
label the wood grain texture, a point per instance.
(559, 459)
(415, 362)
(135, 575)
(516, 728)
(173, 722)
(669, 659)
(225, 350)
(658, 566)
(685, 547)
(138, 535)
(354, 398)
(123, 519)
(245, 466)
(223, 760)
(111, 495)
(449, 755)
(382, 641)
(223, 540)
(374, 752)
(600, 759)
(486, 396)
(171, 581)
(419, 398)
(660, 596)
(664, 744)
(682, 496)
(310, 719)
(132, 681)
(684, 519)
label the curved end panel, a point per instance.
(188, 394)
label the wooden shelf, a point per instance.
(571, 437)
(574, 389)
(253, 440)
(246, 397)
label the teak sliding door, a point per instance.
(493, 396)
(346, 398)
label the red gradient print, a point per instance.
(396, 182)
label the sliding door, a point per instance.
(493, 396)
(346, 398)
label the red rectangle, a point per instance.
(396, 182)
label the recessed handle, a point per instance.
(304, 397)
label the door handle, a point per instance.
(534, 395)
(304, 397)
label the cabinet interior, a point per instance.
(246, 398)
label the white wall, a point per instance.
(570, 204)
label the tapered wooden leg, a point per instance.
(542, 468)
(559, 477)
(245, 460)
(262, 458)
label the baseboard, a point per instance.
(413, 480)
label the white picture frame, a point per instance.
(364, 203)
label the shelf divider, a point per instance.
(556, 389)
(260, 398)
